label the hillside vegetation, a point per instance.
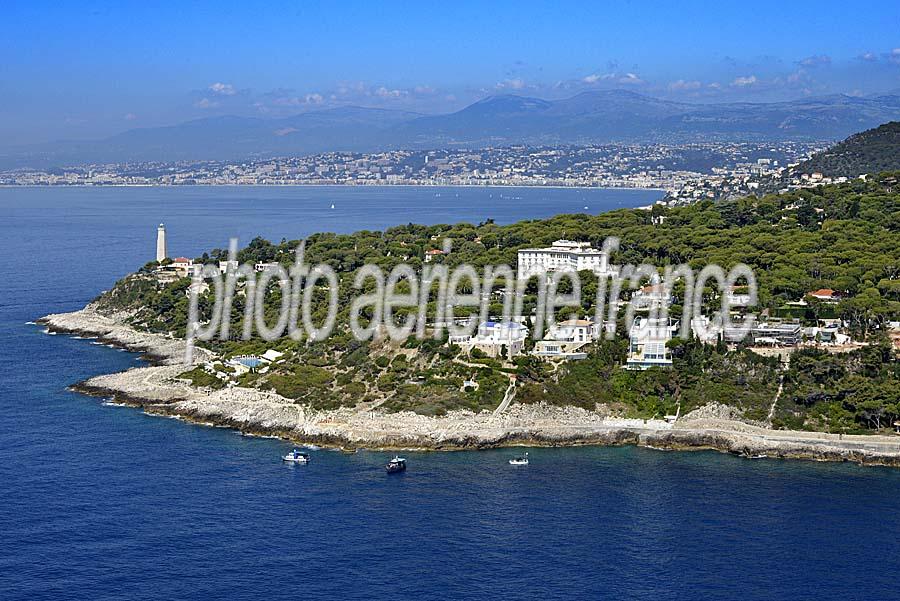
(844, 237)
(871, 151)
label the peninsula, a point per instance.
(818, 378)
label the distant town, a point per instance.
(687, 172)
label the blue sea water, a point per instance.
(103, 502)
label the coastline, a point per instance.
(343, 185)
(157, 391)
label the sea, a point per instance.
(104, 502)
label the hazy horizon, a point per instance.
(98, 69)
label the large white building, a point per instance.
(563, 255)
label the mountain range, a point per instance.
(588, 118)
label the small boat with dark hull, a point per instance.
(395, 465)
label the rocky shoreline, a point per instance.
(157, 390)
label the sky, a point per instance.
(82, 70)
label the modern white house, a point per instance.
(226, 266)
(738, 296)
(647, 343)
(563, 255)
(493, 336)
(565, 339)
(777, 334)
(652, 295)
(260, 267)
(706, 331)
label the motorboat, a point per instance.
(296, 456)
(522, 460)
(397, 464)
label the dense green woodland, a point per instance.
(844, 237)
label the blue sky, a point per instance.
(90, 69)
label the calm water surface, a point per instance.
(100, 502)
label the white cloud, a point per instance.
(283, 97)
(511, 84)
(868, 57)
(682, 85)
(222, 89)
(383, 92)
(744, 81)
(129, 116)
(594, 78)
(816, 60)
(206, 103)
(894, 55)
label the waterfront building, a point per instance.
(493, 337)
(565, 339)
(647, 343)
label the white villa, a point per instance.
(260, 267)
(492, 336)
(648, 338)
(652, 295)
(182, 265)
(566, 338)
(226, 266)
(563, 255)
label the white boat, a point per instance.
(397, 464)
(523, 460)
(296, 456)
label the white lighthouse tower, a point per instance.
(161, 252)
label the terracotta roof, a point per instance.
(823, 292)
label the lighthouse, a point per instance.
(161, 243)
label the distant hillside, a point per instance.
(598, 117)
(871, 151)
